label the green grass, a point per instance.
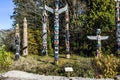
(45, 65)
(82, 66)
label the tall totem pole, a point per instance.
(44, 30)
(17, 42)
(25, 41)
(118, 24)
(67, 34)
(56, 13)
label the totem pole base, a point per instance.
(17, 57)
(44, 53)
(118, 53)
(56, 62)
(68, 56)
(98, 53)
(24, 55)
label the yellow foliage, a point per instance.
(34, 41)
(106, 65)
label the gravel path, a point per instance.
(20, 75)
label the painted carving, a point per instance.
(25, 41)
(17, 42)
(67, 34)
(56, 13)
(118, 26)
(98, 37)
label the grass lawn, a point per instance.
(82, 66)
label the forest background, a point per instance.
(85, 17)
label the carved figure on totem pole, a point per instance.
(117, 20)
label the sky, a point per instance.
(6, 10)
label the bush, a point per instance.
(34, 41)
(118, 69)
(5, 60)
(106, 66)
(81, 69)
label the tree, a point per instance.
(30, 10)
(101, 15)
(85, 17)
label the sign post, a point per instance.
(68, 70)
(98, 37)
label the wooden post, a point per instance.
(25, 41)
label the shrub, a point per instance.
(105, 66)
(34, 41)
(118, 69)
(81, 69)
(47, 70)
(5, 60)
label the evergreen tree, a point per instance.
(30, 10)
(101, 15)
(85, 17)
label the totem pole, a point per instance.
(17, 42)
(44, 30)
(118, 25)
(25, 43)
(67, 34)
(98, 37)
(56, 13)
(2, 36)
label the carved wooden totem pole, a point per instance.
(67, 35)
(25, 41)
(98, 37)
(118, 25)
(56, 13)
(17, 42)
(44, 30)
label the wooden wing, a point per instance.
(49, 9)
(63, 9)
(92, 37)
(41, 7)
(104, 37)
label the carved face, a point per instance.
(98, 31)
